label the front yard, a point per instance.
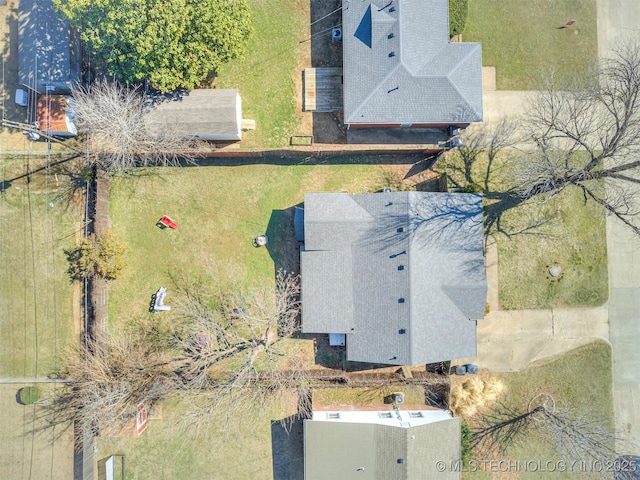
(522, 38)
(539, 234)
(581, 380)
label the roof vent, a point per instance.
(398, 398)
(402, 461)
(400, 267)
(392, 9)
(402, 331)
(392, 54)
(390, 36)
(400, 230)
(401, 300)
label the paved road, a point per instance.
(620, 19)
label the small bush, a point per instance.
(97, 256)
(28, 395)
(465, 440)
(458, 10)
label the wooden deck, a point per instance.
(322, 89)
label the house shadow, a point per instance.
(326, 51)
(287, 450)
(423, 165)
(435, 184)
(282, 246)
(287, 441)
(307, 158)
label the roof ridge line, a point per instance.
(374, 90)
(457, 66)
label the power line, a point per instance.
(327, 15)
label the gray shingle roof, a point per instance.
(399, 66)
(336, 450)
(205, 114)
(45, 58)
(400, 273)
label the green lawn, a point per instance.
(542, 233)
(219, 211)
(36, 314)
(265, 76)
(240, 449)
(521, 38)
(580, 379)
(574, 239)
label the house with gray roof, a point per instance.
(389, 445)
(401, 274)
(201, 114)
(400, 69)
(48, 52)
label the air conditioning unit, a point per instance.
(398, 398)
(336, 35)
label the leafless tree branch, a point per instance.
(113, 132)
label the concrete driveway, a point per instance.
(509, 341)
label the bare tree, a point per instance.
(229, 340)
(575, 436)
(106, 382)
(586, 131)
(218, 324)
(487, 140)
(113, 130)
(219, 355)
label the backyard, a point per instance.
(219, 211)
(236, 448)
(268, 75)
(523, 38)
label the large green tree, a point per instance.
(171, 43)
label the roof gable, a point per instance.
(406, 285)
(399, 66)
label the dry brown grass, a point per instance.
(473, 394)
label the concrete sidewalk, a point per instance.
(510, 340)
